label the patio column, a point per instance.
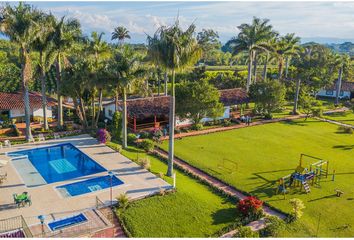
(134, 124)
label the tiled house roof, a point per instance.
(346, 86)
(10, 101)
(140, 107)
(233, 96)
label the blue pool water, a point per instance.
(53, 164)
(59, 224)
(90, 185)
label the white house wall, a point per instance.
(323, 93)
(36, 112)
(109, 111)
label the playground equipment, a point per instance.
(302, 176)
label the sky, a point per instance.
(324, 22)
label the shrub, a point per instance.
(116, 126)
(345, 129)
(123, 201)
(274, 226)
(297, 205)
(162, 192)
(145, 135)
(197, 127)
(145, 163)
(227, 123)
(101, 125)
(161, 175)
(268, 116)
(15, 131)
(131, 138)
(317, 112)
(245, 232)
(250, 207)
(148, 145)
(103, 136)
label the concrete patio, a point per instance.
(46, 200)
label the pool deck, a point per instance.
(46, 200)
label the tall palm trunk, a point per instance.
(116, 99)
(60, 98)
(255, 67)
(44, 97)
(166, 81)
(24, 71)
(93, 109)
(339, 84)
(265, 67)
(296, 98)
(280, 68)
(100, 98)
(172, 127)
(124, 118)
(249, 75)
(158, 85)
(287, 62)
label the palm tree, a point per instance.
(252, 38)
(20, 25)
(174, 49)
(66, 33)
(100, 50)
(344, 64)
(44, 46)
(293, 49)
(120, 33)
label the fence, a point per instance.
(17, 223)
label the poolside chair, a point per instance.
(17, 201)
(41, 137)
(56, 136)
(28, 201)
(7, 143)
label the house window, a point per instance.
(329, 92)
(110, 112)
(341, 93)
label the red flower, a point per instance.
(249, 205)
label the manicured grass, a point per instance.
(193, 211)
(344, 117)
(252, 159)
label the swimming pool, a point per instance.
(52, 164)
(67, 222)
(87, 186)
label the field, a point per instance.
(344, 117)
(252, 159)
(193, 211)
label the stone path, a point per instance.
(216, 182)
(334, 122)
(255, 226)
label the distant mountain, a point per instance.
(347, 47)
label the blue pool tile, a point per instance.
(67, 222)
(88, 186)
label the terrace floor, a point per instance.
(46, 200)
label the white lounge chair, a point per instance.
(41, 137)
(56, 136)
(7, 143)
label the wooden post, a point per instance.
(134, 124)
(334, 173)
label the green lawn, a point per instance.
(344, 117)
(193, 211)
(253, 158)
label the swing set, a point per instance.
(302, 175)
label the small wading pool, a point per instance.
(88, 186)
(67, 222)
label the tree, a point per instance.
(197, 100)
(20, 25)
(344, 63)
(66, 34)
(120, 33)
(116, 126)
(293, 49)
(43, 44)
(297, 205)
(268, 96)
(315, 67)
(252, 37)
(208, 40)
(174, 49)
(309, 104)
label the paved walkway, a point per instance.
(216, 182)
(255, 226)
